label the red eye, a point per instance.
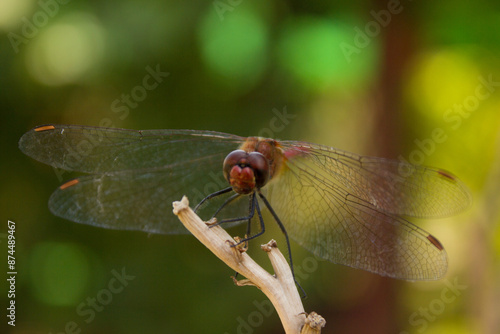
(260, 167)
(232, 159)
(246, 171)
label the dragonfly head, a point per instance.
(246, 171)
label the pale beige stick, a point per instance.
(314, 324)
(280, 289)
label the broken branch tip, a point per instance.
(180, 205)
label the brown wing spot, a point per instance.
(435, 242)
(45, 128)
(446, 175)
(69, 184)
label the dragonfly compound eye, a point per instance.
(246, 171)
(260, 167)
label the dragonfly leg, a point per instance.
(261, 221)
(232, 220)
(276, 218)
(215, 194)
(253, 205)
(229, 200)
(249, 223)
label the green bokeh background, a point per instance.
(371, 77)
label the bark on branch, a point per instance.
(279, 288)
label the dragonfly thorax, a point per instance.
(246, 171)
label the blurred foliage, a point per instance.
(314, 71)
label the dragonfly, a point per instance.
(349, 209)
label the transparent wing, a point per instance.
(344, 207)
(388, 185)
(100, 150)
(138, 174)
(131, 200)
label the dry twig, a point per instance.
(279, 288)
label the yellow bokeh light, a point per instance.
(442, 79)
(11, 12)
(66, 51)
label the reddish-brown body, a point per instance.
(269, 148)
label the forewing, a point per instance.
(137, 174)
(391, 186)
(102, 150)
(344, 221)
